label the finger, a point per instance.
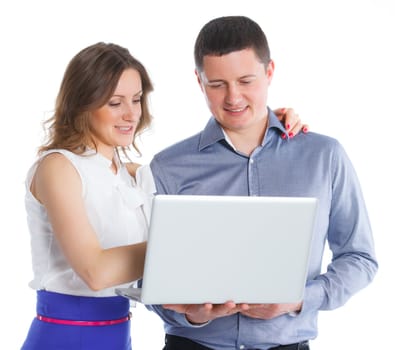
(295, 129)
(208, 306)
(244, 306)
(255, 306)
(252, 314)
(227, 308)
(280, 113)
(290, 119)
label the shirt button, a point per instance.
(242, 347)
(251, 160)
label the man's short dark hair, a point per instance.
(224, 35)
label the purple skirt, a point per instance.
(54, 309)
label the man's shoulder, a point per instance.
(320, 140)
(315, 143)
(181, 148)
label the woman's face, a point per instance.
(115, 123)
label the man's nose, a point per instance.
(233, 95)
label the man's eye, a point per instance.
(216, 86)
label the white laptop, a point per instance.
(220, 248)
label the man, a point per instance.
(242, 151)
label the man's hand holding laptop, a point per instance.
(203, 313)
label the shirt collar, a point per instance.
(100, 158)
(213, 132)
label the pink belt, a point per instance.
(83, 323)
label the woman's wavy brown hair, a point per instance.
(88, 83)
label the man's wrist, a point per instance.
(293, 313)
(194, 323)
(296, 312)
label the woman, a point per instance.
(87, 215)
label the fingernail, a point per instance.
(283, 136)
(305, 129)
(291, 135)
(287, 126)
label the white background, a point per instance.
(334, 65)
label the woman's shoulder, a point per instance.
(59, 156)
(55, 158)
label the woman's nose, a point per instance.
(131, 113)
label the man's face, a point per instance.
(235, 87)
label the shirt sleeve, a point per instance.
(160, 179)
(353, 265)
(173, 318)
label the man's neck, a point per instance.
(246, 140)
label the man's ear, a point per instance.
(199, 80)
(270, 71)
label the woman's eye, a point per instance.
(114, 104)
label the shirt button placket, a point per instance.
(251, 180)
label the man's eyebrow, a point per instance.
(216, 81)
(248, 76)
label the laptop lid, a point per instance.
(220, 248)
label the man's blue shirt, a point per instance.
(308, 165)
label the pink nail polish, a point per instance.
(291, 135)
(305, 129)
(288, 126)
(283, 136)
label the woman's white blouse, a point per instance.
(118, 207)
